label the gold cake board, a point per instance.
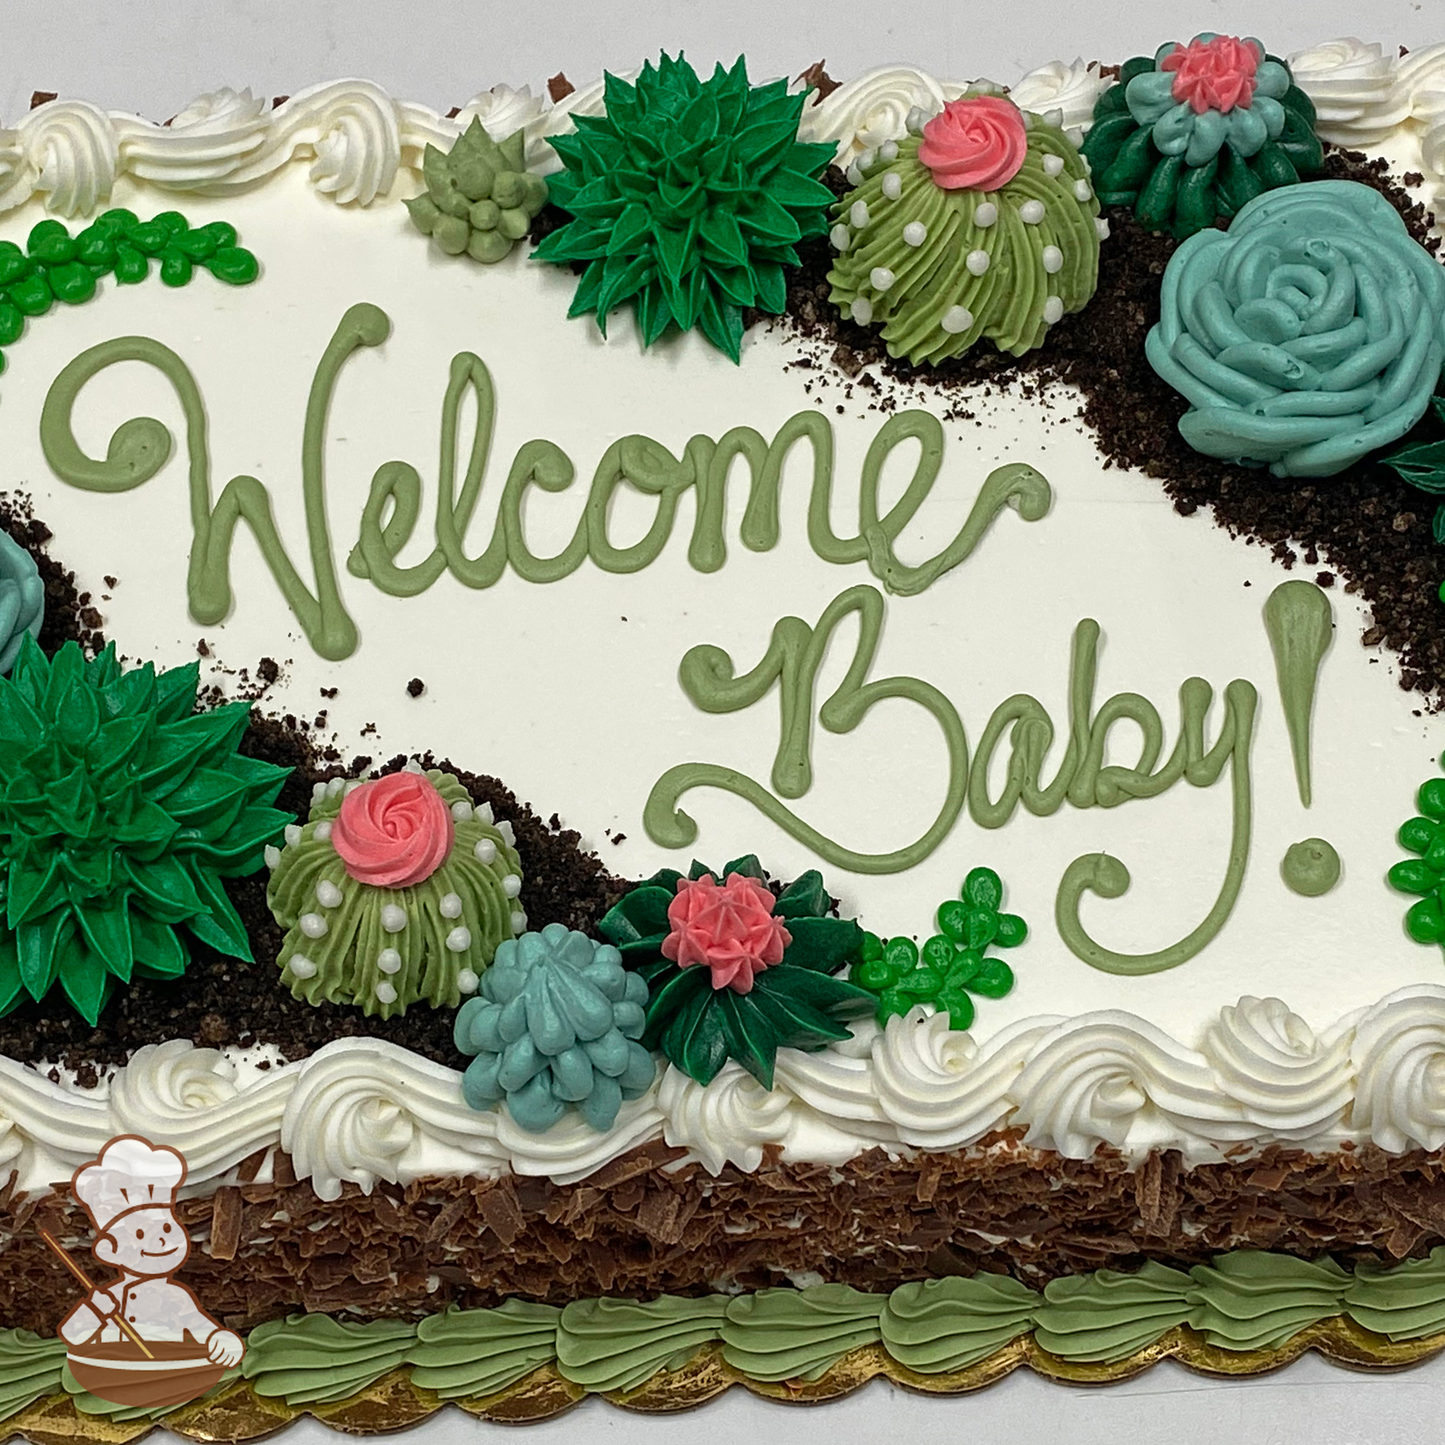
(237, 1413)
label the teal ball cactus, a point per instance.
(556, 1024)
(22, 599)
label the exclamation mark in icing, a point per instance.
(1300, 623)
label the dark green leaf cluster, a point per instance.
(795, 1004)
(1424, 874)
(1164, 192)
(121, 809)
(690, 197)
(479, 197)
(56, 266)
(1421, 460)
(953, 964)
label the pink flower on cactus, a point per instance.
(977, 144)
(730, 927)
(394, 832)
(1214, 74)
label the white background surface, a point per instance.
(153, 56)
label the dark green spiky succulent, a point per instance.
(121, 809)
(794, 1003)
(479, 198)
(689, 197)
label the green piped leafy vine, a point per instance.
(121, 809)
(689, 197)
(56, 266)
(953, 964)
(796, 1003)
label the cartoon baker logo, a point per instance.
(140, 1338)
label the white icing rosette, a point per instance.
(1357, 98)
(504, 111)
(726, 1121)
(364, 1111)
(208, 141)
(864, 113)
(1286, 1079)
(1112, 1078)
(65, 149)
(46, 1130)
(938, 1087)
(1399, 1054)
(1072, 90)
(188, 1098)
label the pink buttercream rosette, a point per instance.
(1215, 74)
(728, 927)
(975, 144)
(394, 832)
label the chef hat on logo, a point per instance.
(130, 1174)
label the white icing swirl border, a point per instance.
(362, 1111)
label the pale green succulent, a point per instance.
(480, 198)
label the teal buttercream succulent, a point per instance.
(689, 198)
(953, 964)
(1308, 335)
(22, 599)
(556, 1024)
(121, 809)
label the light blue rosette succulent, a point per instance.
(556, 1023)
(22, 599)
(1306, 336)
(1196, 131)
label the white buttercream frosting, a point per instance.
(364, 1111)
(872, 109)
(1071, 90)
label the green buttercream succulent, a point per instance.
(953, 964)
(730, 976)
(556, 1025)
(938, 268)
(22, 599)
(1424, 874)
(56, 266)
(480, 197)
(121, 809)
(689, 198)
(389, 897)
(1193, 133)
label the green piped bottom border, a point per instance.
(394, 1402)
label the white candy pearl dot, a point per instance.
(1053, 260)
(301, 967)
(862, 310)
(1031, 212)
(292, 834)
(1082, 190)
(956, 320)
(865, 161)
(915, 233)
(313, 925)
(328, 895)
(889, 150)
(985, 214)
(462, 811)
(459, 940)
(841, 237)
(508, 836)
(467, 981)
(511, 885)
(1053, 310)
(273, 855)
(519, 922)
(853, 175)
(485, 851)
(385, 993)
(1101, 226)
(451, 905)
(880, 278)
(892, 185)
(1053, 165)
(917, 119)
(393, 919)
(321, 832)
(858, 214)
(977, 262)
(389, 960)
